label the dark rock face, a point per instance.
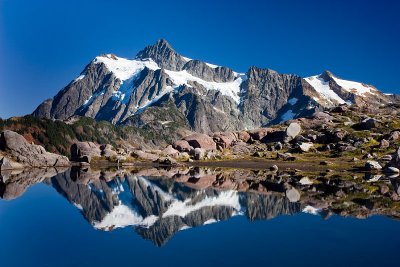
(29, 155)
(207, 73)
(164, 55)
(71, 100)
(264, 93)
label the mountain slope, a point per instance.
(211, 98)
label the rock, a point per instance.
(29, 155)
(144, 155)
(108, 151)
(305, 181)
(371, 165)
(259, 134)
(386, 158)
(273, 168)
(84, 151)
(198, 153)
(305, 147)
(394, 136)
(199, 140)
(340, 109)
(182, 146)
(224, 139)
(7, 164)
(166, 161)
(366, 124)
(324, 163)
(170, 151)
(384, 143)
(367, 156)
(292, 131)
(293, 194)
(278, 146)
(384, 189)
(322, 116)
(392, 170)
(243, 136)
(354, 159)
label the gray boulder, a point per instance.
(293, 194)
(292, 131)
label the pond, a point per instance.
(197, 217)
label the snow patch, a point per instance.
(323, 89)
(311, 210)
(80, 77)
(231, 89)
(125, 69)
(354, 87)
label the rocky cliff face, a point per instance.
(211, 98)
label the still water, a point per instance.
(191, 218)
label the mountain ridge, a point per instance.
(212, 98)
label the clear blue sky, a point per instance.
(44, 44)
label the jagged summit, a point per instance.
(164, 55)
(210, 98)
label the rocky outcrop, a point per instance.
(16, 148)
(84, 151)
(199, 140)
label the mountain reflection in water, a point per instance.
(158, 203)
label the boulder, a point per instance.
(107, 151)
(293, 194)
(170, 151)
(392, 170)
(166, 161)
(305, 181)
(243, 136)
(384, 143)
(198, 153)
(7, 164)
(372, 165)
(84, 151)
(224, 139)
(182, 146)
(274, 168)
(322, 116)
(292, 131)
(29, 155)
(394, 136)
(144, 155)
(199, 140)
(305, 147)
(367, 124)
(258, 134)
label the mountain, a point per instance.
(159, 208)
(207, 97)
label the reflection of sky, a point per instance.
(41, 228)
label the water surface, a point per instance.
(194, 218)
